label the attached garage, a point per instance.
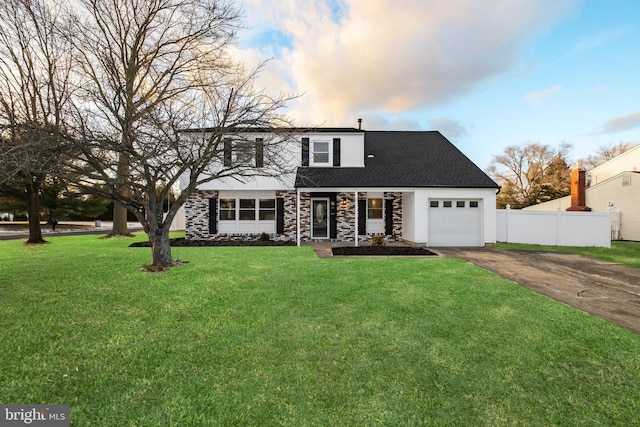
(455, 222)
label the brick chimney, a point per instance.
(578, 186)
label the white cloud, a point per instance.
(395, 55)
(539, 98)
(621, 123)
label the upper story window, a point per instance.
(320, 152)
(244, 152)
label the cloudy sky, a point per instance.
(485, 73)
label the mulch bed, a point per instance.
(381, 251)
(182, 242)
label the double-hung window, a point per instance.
(227, 209)
(247, 213)
(267, 210)
(374, 208)
(247, 209)
(245, 152)
(320, 152)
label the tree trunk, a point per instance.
(120, 226)
(33, 196)
(161, 248)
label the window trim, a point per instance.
(371, 208)
(267, 210)
(244, 152)
(257, 210)
(314, 152)
(225, 209)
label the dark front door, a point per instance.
(320, 218)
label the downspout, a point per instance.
(298, 217)
(357, 216)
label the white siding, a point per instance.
(351, 148)
(409, 216)
(627, 161)
(623, 198)
(290, 156)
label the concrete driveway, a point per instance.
(609, 291)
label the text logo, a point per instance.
(34, 415)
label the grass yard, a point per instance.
(269, 336)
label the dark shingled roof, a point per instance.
(402, 159)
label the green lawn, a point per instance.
(269, 336)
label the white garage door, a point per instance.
(455, 222)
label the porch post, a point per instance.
(356, 217)
(298, 217)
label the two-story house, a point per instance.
(351, 184)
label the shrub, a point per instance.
(264, 237)
(377, 240)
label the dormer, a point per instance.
(329, 147)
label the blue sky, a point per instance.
(485, 73)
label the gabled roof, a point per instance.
(402, 159)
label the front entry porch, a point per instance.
(348, 216)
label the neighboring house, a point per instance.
(351, 184)
(614, 187)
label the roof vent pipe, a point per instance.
(359, 124)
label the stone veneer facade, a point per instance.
(346, 217)
(197, 217)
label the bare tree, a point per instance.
(605, 153)
(153, 70)
(34, 91)
(531, 173)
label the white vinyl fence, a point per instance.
(556, 228)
